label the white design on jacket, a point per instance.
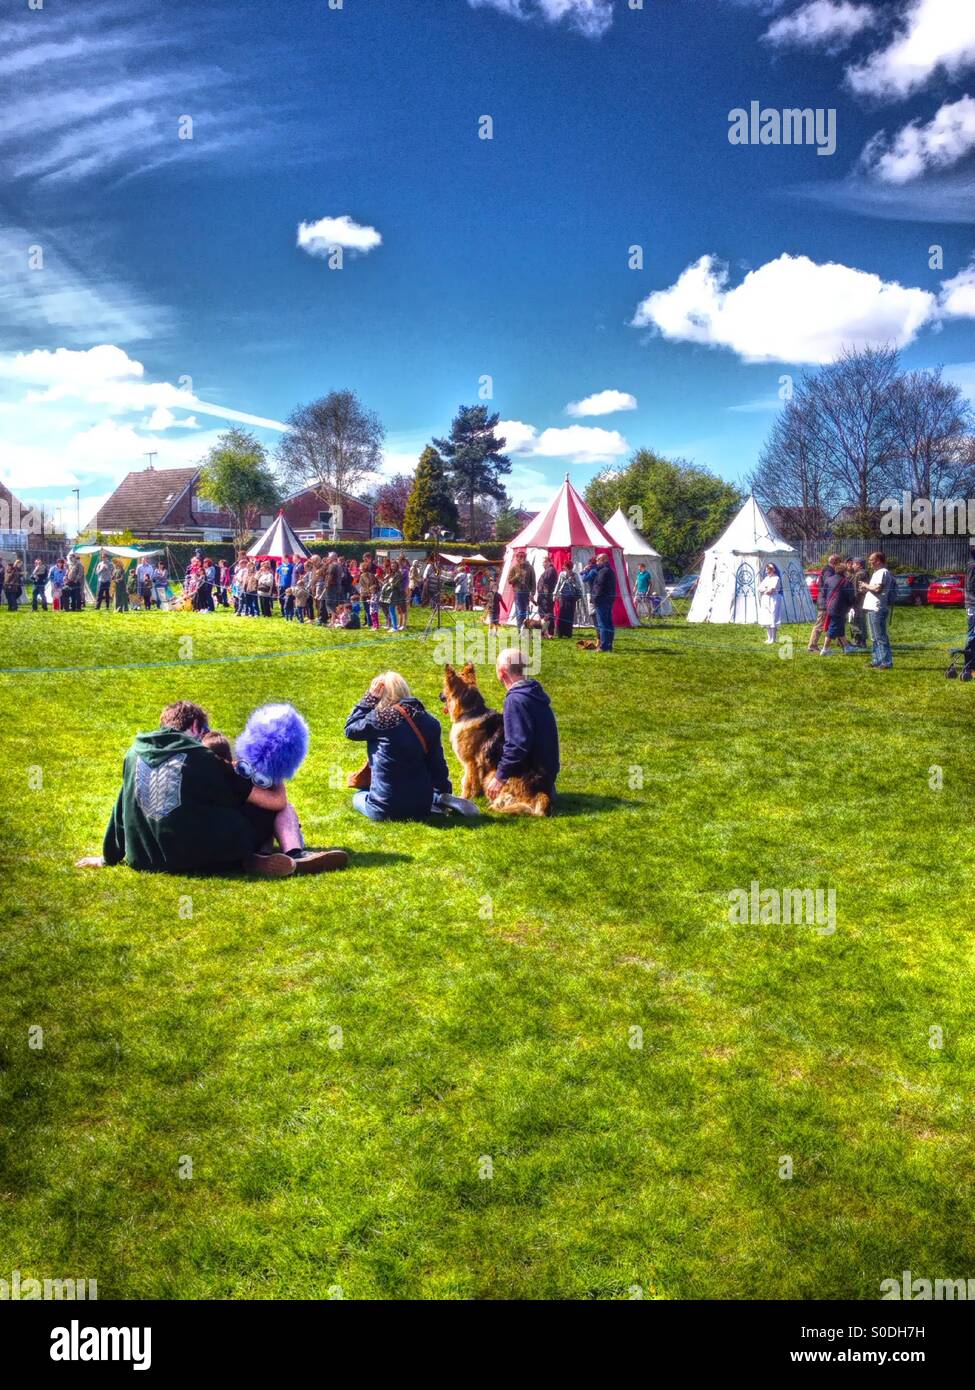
(158, 789)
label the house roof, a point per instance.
(142, 499)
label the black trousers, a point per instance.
(104, 592)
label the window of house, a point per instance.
(203, 504)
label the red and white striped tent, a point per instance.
(571, 532)
(278, 541)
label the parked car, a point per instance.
(812, 583)
(912, 588)
(684, 588)
(948, 591)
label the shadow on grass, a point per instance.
(571, 804)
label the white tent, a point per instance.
(278, 541)
(727, 591)
(638, 551)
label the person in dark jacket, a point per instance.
(408, 772)
(839, 601)
(821, 623)
(183, 808)
(545, 597)
(531, 734)
(970, 594)
(602, 590)
(39, 580)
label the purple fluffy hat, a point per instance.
(274, 742)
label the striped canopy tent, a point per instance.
(90, 555)
(639, 551)
(571, 532)
(278, 541)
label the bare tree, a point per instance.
(933, 424)
(332, 445)
(853, 425)
(792, 474)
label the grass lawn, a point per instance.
(418, 1078)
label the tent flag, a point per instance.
(571, 531)
(733, 567)
(638, 551)
(278, 540)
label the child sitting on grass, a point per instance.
(287, 827)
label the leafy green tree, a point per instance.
(430, 502)
(508, 522)
(474, 461)
(680, 507)
(238, 478)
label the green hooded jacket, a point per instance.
(181, 807)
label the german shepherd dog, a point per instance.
(477, 738)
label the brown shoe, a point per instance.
(318, 861)
(270, 865)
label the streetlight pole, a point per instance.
(77, 496)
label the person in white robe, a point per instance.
(770, 602)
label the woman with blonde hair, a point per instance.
(406, 777)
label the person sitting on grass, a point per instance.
(181, 808)
(287, 827)
(531, 733)
(406, 777)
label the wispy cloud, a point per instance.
(109, 88)
(825, 24)
(602, 403)
(321, 237)
(589, 17)
(935, 37)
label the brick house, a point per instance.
(165, 502)
(307, 514)
(162, 502)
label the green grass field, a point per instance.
(419, 1078)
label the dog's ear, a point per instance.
(468, 674)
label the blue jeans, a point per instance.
(521, 609)
(605, 631)
(882, 655)
(391, 615)
(360, 802)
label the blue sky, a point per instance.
(154, 287)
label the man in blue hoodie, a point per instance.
(531, 735)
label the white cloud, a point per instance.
(107, 377)
(915, 149)
(788, 310)
(581, 444)
(957, 298)
(162, 418)
(321, 237)
(936, 36)
(602, 403)
(829, 24)
(589, 17)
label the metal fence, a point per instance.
(924, 553)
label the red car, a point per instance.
(948, 591)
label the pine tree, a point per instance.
(474, 461)
(430, 503)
